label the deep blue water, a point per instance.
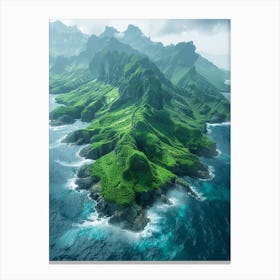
(189, 229)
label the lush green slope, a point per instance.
(62, 82)
(177, 61)
(174, 61)
(144, 131)
(212, 73)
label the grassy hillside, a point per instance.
(212, 73)
(143, 130)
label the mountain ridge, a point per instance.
(144, 130)
(157, 53)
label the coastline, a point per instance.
(132, 217)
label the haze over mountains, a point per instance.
(66, 40)
(69, 41)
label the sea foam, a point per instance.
(211, 171)
(218, 124)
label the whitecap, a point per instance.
(163, 206)
(174, 200)
(199, 195)
(219, 153)
(94, 220)
(218, 124)
(58, 127)
(74, 164)
(211, 171)
(71, 183)
(152, 227)
(78, 152)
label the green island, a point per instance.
(147, 118)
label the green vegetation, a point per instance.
(212, 73)
(67, 81)
(143, 130)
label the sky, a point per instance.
(210, 36)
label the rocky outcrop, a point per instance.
(186, 186)
(207, 151)
(97, 151)
(84, 171)
(78, 137)
(85, 180)
(202, 172)
(131, 218)
(86, 183)
(145, 199)
(127, 217)
(65, 119)
(199, 170)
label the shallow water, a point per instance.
(188, 229)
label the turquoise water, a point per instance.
(189, 229)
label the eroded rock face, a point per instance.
(86, 182)
(106, 208)
(202, 171)
(84, 171)
(85, 179)
(207, 152)
(127, 217)
(131, 218)
(79, 137)
(146, 198)
(65, 119)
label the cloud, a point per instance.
(209, 35)
(206, 26)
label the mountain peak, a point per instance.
(109, 32)
(132, 29)
(186, 46)
(60, 27)
(57, 23)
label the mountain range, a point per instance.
(147, 106)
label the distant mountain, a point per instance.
(93, 46)
(176, 62)
(172, 59)
(66, 40)
(109, 32)
(134, 37)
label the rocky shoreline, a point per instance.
(132, 217)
